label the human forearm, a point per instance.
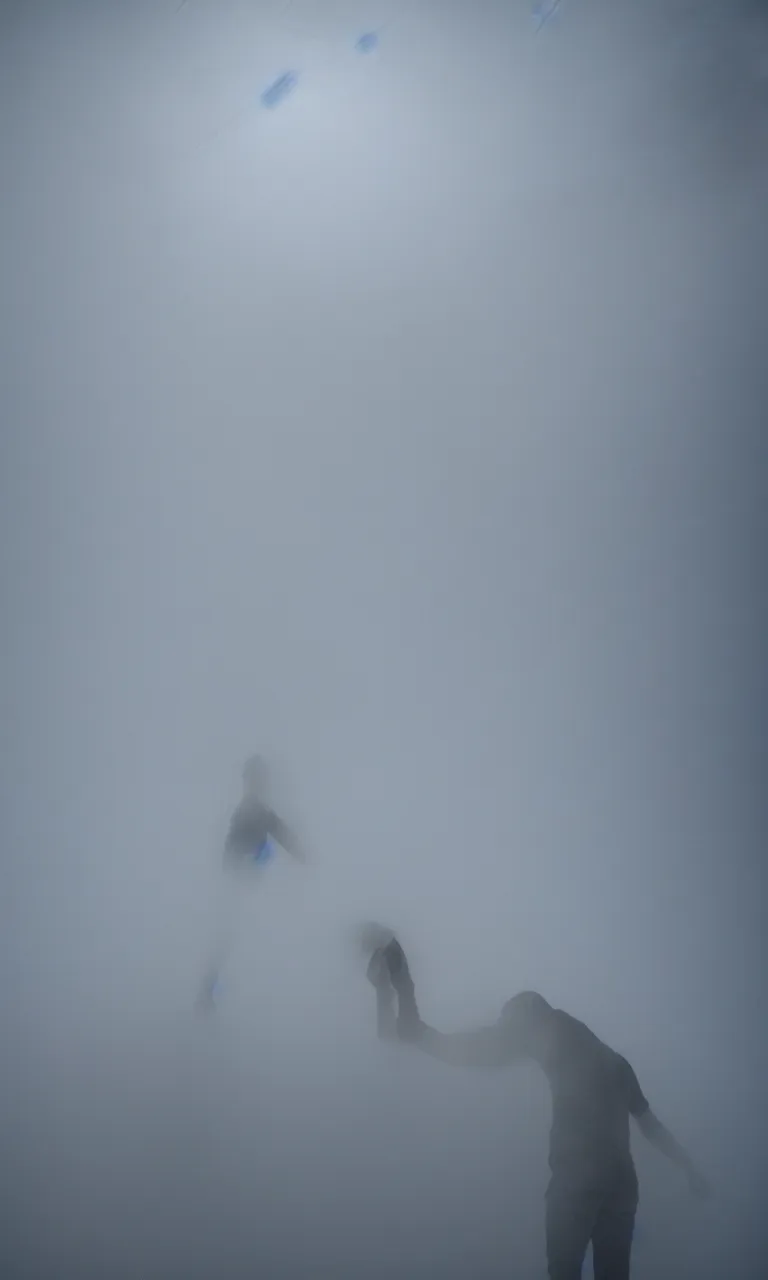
(660, 1137)
(482, 1049)
(287, 838)
(408, 1020)
(386, 1018)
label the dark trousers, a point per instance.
(598, 1210)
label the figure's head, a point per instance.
(525, 1013)
(372, 937)
(255, 776)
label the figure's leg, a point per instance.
(612, 1236)
(571, 1212)
(227, 909)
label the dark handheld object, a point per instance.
(399, 973)
(409, 1025)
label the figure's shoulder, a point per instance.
(239, 812)
(575, 1040)
(248, 813)
(570, 1028)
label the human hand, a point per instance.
(377, 972)
(373, 937)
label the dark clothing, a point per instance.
(250, 829)
(594, 1092)
(603, 1212)
(593, 1193)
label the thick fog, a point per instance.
(409, 434)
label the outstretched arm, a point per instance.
(286, 837)
(656, 1133)
(486, 1048)
(660, 1137)
(483, 1049)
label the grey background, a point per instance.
(412, 435)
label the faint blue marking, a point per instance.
(367, 43)
(263, 853)
(279, 89)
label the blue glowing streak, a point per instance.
(279, 90)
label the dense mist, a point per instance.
(413, 435)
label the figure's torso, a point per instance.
(249, 831)
(590, 1101)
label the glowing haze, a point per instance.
(409, 434)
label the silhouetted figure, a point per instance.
(254, 831)
(592, 1194)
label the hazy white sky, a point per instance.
(410, 434)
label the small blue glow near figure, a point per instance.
(278, 91)
(263, 853)
(367, 43)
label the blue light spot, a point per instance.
(368, 42)
(276, 92)
(263, 853)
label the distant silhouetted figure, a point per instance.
(254, 831)
(592, 1194)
